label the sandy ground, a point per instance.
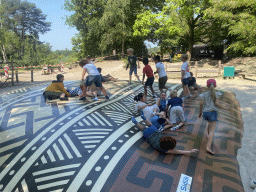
(245, 91)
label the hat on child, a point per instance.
(211, 81)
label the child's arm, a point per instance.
(138, 63)
(182, 152)
(167, 126)
(143, 78)
(182, 74)
(62, 89)
(217, 104)
(168, 122)
(83, 74)
(201, 108)
(157, 71)
(142, 107)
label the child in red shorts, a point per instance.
(147, 70)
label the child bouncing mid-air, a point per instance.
(132, 64)
(147, 70)
(148, 110)
(176, 104)
(94, 77)
(209, 111)
(159, 141)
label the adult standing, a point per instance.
(161, 73)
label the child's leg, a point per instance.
(145, 90)
(141, 127)
(152, 90)
(185, 92)
(103, 90)
(137, 77)
(211, 129)
(148, 122)
(84, 90)
(130, 78)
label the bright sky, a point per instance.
(60, 35)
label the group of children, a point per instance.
(92, 86)
(155, 117)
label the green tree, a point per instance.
(178, 23)
(106, 25)
(235, 24)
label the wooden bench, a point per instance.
(245, 74)
(213, 72)
(170, 68)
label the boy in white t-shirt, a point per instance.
(185, 75)
(161, 72)
(94, 77)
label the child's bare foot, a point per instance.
(210, 151)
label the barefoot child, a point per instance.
(148, 110)
(132, 64)
(185, 75)
(209, 111)
(147, 70)
(159, 141)
(94, 77)
(176, 110)
(161, 72)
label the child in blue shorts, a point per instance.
(132, 64)
(209, 111)
(159, 141)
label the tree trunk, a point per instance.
(191, 37)
(123, 49)
(4, 54)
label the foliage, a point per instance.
(107, 25)
(178, 23)
(237, 22)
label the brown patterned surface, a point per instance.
(145, 169)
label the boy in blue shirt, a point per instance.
(176, 109)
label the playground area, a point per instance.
(94, 146)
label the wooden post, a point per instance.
(12, 74)
(17, 78)
(219, 68)
(196, 65)
(32, 76)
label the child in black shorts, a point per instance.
(147, 70)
